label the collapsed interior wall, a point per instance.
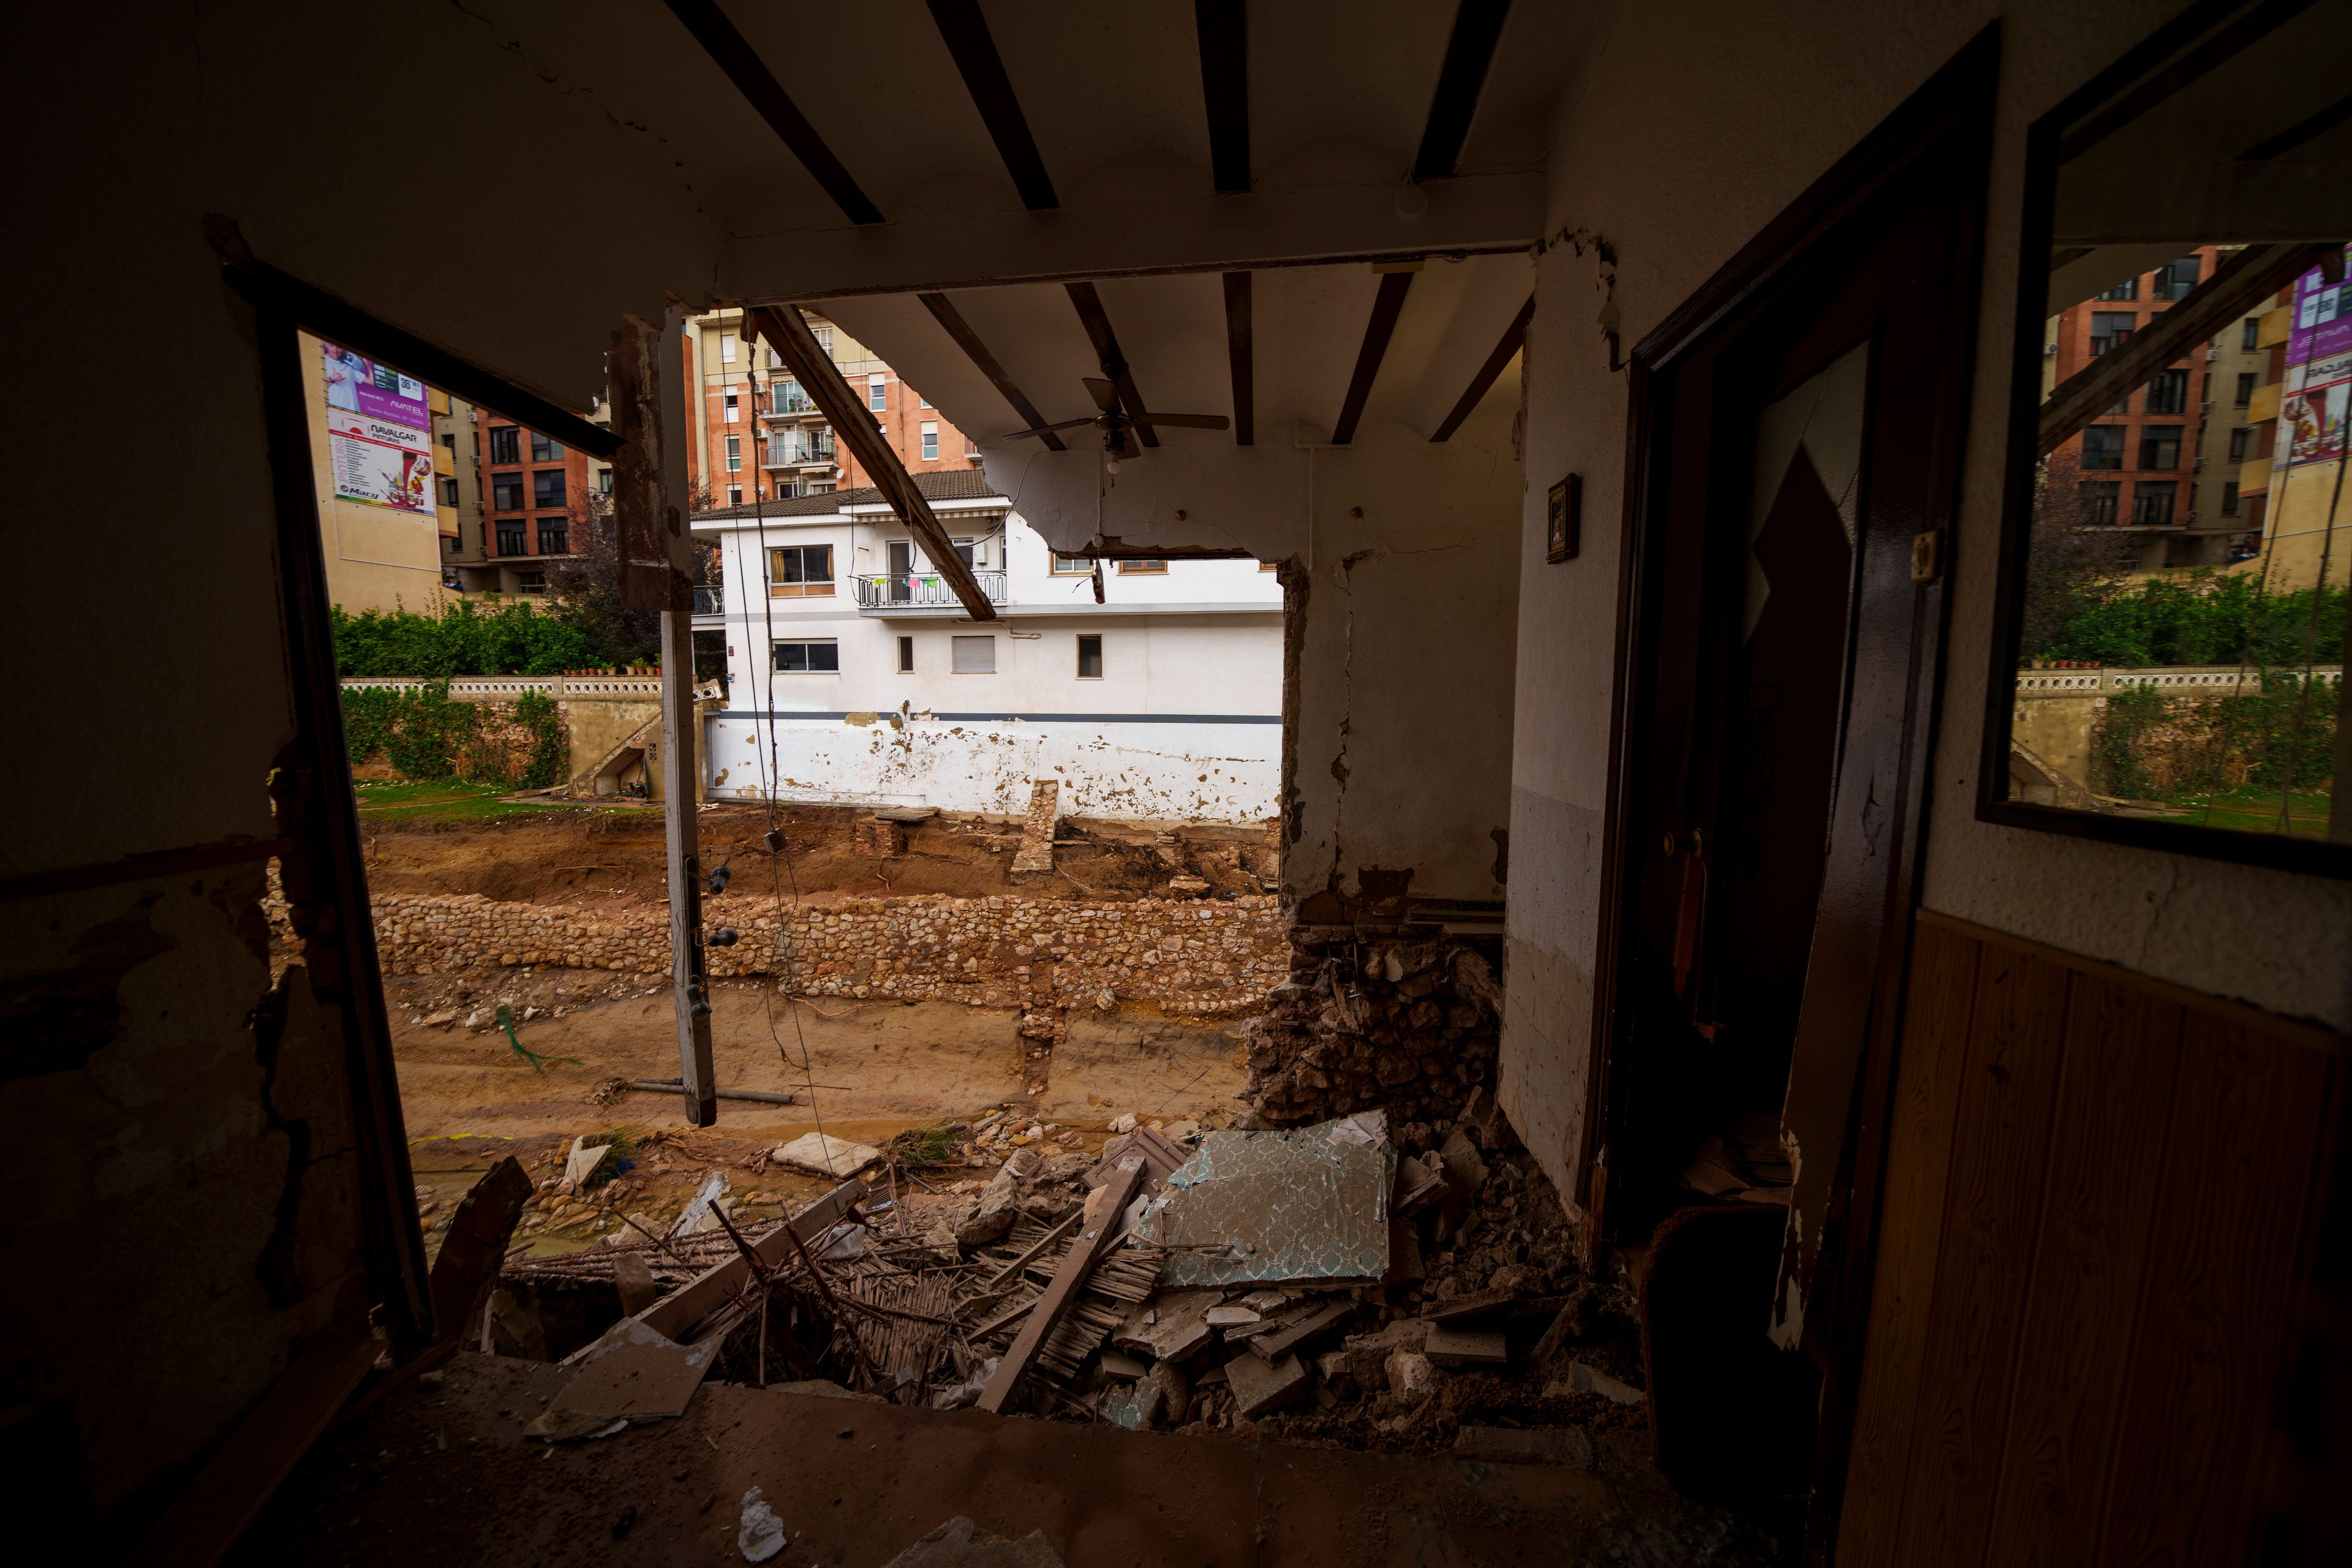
(1672, 147)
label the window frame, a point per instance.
(1096, 638)
(1143, 565)
(508, 436)
(777, 645)
(959, 642)
(905, 655)
(805, 587)
(2030, 261)
(545, 448)
(542, 497)
(929, 434)
(511, 491)
(877, 394)
(1053, 567)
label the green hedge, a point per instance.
(426, 734)
(2211, 617)
(466, 639)
(2148, 746)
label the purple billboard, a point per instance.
(364, 386)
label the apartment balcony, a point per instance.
(797, 455)
(709, 606)
(920, 594)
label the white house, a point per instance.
(854, 675)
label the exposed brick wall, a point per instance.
(1202, 957)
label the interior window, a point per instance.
(2178, 595)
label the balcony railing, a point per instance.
(793, 403)
(710, 600)
(921, 591)
(793, 454)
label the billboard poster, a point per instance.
(2322, 328)
(358, 385)
(378, 427)
(380, 464)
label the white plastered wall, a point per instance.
(1684, 132)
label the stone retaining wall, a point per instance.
(1201, 957)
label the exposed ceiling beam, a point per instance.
(2301, 132)
(2192, 57)
(1113, 364)
(1223, 27)
(1515, 337)
(2248, 278)
(734, 54)
(783, 330)
(944, 312)
(1386, 307)
(1477, 29)
(967, 40)
(1239, 349)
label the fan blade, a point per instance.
(1046, 429)
(1105, 394)
(1189, 421)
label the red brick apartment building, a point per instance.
(535, 505)
(2161, 462)
(759, 437)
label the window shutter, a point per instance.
(975, 656)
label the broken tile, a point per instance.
(1309, 1203)
(1583, 1379)
(1232, 1317)
(1119, 1363)
(1261, 1386)
(1135, 1406)
(634, 1374)
(826, 1155)
(581, 1162)
(1304, 1331)
(1170, 1326)
(1449, 1346)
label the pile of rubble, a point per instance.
(1340, 1283)
(1407, 1024)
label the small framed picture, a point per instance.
(1564, 519)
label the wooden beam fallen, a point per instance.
(781, 328)
(2252, 275)
(476, 1244)
(1095, 1234)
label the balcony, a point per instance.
(921, 593)
(789, 407)
(796, 454)
(709, 599)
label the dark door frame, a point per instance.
(321, 857)
(1952, 111)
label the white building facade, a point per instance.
(855, 677)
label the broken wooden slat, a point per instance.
(679, 1311)
(1103, 1206)
(1282, 1341)
(1053, 1233)
(476, 1244)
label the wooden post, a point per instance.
(649, 486)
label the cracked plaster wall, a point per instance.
(1684, 134)
(184, 1214)
(1402, 730)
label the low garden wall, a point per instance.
(1201, 957)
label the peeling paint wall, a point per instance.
(1136, 771)
(1684, 134)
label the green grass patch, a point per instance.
(925, 1148)
(449, 799)
(2252, 810)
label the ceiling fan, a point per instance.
(1117, 427)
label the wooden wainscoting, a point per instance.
(2097, 1190)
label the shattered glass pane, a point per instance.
(1310, 1204)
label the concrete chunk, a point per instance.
(1261, 1386)
(1448, 1345)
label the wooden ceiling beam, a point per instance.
(1477, 29)
(734, 54)
(1240, 352)
(1224, 28)
(853, 424)
(1097, 322)
(974, 52)
(943, 311)
(1515, 337)
(1386, 307)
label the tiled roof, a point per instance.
(942, 484)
